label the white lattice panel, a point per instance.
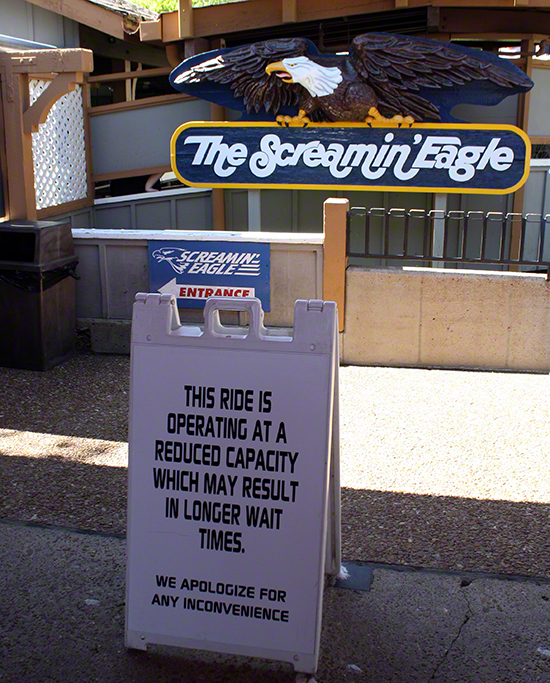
(59, 152)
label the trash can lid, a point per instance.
(30, 245)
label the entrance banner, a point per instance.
(193, 271)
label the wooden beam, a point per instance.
(50, 61)
(218, 113)
(237, 16)
(87, 103)
(495, 38)
(486, 4)
(289, 11)
(75, 205)
(174, 54)
(194, 46)
(123, 75)
(86, 13)
(457, 20)
(150, 30)
(20, 199)
(234, 17)
(38, 112)
(103, 45)
(3, 162)
(185, 19)
(527, 47)
(140, 104)
(216, 20)
(335, 258)
(314, 10)
(170, 27)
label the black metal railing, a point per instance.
(472, 237)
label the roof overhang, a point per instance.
(116, 18)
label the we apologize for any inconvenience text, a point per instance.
(219, 597)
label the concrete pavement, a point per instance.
(62, 596)
(441, 470)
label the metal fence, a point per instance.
(453, 237)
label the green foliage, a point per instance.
(159, 5)
(205, 3)
(171, 5)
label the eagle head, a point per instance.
(318, 80)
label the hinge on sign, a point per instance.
(315, 305)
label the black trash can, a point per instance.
(37, 294)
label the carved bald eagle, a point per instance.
(384, 77)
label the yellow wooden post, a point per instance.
(335, 259)
(21, 200)
(217, 113)
(527, 47)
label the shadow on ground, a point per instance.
(440, 532)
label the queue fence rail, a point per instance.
(510, 240)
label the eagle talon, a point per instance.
(300, 120)
(375, 118)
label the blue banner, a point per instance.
(464, 158)
(196, 270)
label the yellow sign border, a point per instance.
(373, 188)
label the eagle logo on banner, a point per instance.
(383, 79)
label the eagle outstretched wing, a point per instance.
(244, 70)
(397, 75)
(400, 70)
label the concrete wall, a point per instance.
(447, 318)
(113, 267)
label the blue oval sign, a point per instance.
(463, 158)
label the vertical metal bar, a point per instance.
(466, 229)
(406, 235)
(348, 231)
(439, 213)
(386, 234)
(462, 237)
(104, 279)
(476, 216)
(427, 236)
(522, 237)
(254, 211)
(512, 218)
(457, 216)
(483, 237)
(367, 233)
(503, 235)
(542, 234)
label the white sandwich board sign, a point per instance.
(229, 476)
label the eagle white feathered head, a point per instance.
(318, 80)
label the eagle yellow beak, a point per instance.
(278, 68)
